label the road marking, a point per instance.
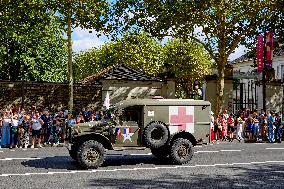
(1, 151)
(230, 150)
(149, 154)
(10, 159)
(274, 148)
(205, 152)
(138, 168)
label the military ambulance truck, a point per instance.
(169, 127)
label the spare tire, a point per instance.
(155, 135)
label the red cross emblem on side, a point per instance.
(181, 118)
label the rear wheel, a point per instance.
(91, 154)
(181, 151)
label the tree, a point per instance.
(220, 26)
(187, 60)
(189, 64)
(87, 14)
(137, 50)
(31, 43)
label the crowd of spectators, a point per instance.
(247, 125)
(22, 129)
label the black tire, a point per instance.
(161, 153)
(156, 135)
(181, 151)
(90, 154)
(73, 152)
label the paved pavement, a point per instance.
(224, 165)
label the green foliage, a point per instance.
(31, 42)
(187, 60)
(189, 64)
(138, 51)
(87, 14)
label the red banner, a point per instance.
(259, 53)
(269, 50)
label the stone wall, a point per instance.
(55, 95)
(47, 95)
(274, 95)
(211, 94)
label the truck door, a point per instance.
(128, 132)
(202, 123)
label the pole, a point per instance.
(282, 81)
(264, 73)
(70, 67)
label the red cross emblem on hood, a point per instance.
(181, 118)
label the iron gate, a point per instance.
(245, 95)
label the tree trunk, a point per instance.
(70, 66)
(220, 89)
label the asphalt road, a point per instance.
(226, 165)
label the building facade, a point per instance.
(248, 83)
(122, 82)
(244, 87)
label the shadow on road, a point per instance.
(56, 162)
(266, 176)
(66, 162)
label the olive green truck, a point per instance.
(169, 127)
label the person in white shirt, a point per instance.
(36, 125)
(14, 131)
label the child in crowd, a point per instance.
(239, 128)
(231, 127)
(217, 128)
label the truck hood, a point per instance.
(89, 126)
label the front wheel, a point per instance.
(181, 151)
(90, 154)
